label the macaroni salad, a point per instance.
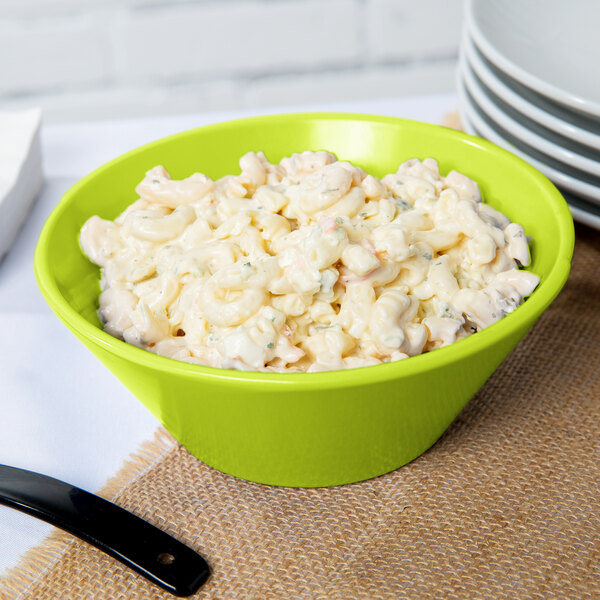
(306, 265)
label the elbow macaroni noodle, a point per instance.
(307, 265)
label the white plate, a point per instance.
(555, 146)
(588, 190)
(551, 46)
(582, 211)
(538, 108)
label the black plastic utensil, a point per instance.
(157, 556)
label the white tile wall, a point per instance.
(236, 39)
(352, 84)
(97, 59)
(40, 54)
(398, 29)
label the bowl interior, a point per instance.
(377, 144)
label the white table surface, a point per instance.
(63, 413)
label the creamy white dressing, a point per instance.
(308, 265)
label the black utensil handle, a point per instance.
(151, 552)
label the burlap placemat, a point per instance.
(505, 505)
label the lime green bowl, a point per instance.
(307, 429)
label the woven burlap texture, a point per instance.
(505, 505)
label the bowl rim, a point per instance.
(527, 312)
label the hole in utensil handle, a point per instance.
(164, 558)
(157, 556)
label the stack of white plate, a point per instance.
(529, 80)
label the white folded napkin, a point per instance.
(21, 174)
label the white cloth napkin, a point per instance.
(21, 175)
